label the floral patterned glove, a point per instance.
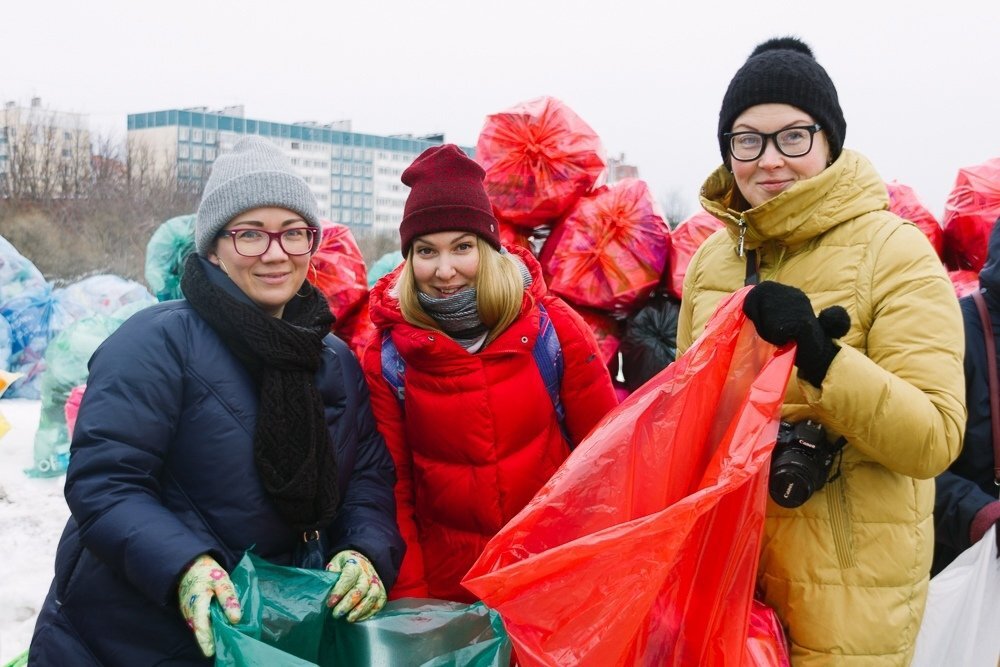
(358, 590)
(204, 579)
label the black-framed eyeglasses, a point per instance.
(256, 242)
(790, 142)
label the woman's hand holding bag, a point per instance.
(359, 590)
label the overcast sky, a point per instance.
(919, 81)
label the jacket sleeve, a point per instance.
(389, 420)
(586, 391)
(122, 438)
(685, 326)
(366, 520)
(959, 496)
(901, 403)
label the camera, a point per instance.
(801, 462)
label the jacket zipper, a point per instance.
(840, 522)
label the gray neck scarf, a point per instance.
(458, 315)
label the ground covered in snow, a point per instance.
(33, 513)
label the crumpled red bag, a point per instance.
(905, 203)
(539, 157)
(685, 239)
(643, 547)
(337, 269)
(965, 282)
(969, 213)
(611, 249)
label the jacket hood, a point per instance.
(989, 275)
(848, 188)
(384, 305)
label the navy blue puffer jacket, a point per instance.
(968, 485)
(162, 470)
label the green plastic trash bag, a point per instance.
(166, 251)
(66, 359)
(19, 661)
(384, 265)
(286, 624)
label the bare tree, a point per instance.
(675, 206)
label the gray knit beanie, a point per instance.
(254, 174)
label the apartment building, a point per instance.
(354, 176)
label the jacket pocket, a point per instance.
(840, 522)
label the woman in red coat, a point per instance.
(462, 404)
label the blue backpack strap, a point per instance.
(393, 367)
(548, 356)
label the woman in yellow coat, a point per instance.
(849, 532)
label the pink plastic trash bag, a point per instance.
(972, 208)
(643, 547)
(539, 157)
(73, 407)
(684, 241)
(905, 203)
(611, 249)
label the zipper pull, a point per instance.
(743, 233)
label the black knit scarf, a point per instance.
(292, 447)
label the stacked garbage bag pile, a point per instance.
(602, 249)
(47, 335)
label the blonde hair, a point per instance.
(499, 291)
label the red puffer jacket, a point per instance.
(479, 436)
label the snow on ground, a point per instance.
(33, 513)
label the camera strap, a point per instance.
(753, 273)
(991, 363)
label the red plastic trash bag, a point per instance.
(965, 282)
(338, 270)
(643, 547)
(905, 203)
(972, 208)
(611, 249)
(684, 241)
(539, 157)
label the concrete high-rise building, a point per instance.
(354, 176)
(43, 153)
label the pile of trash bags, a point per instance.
(47, 335)
(603, 249)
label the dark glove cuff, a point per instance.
(985, 517)
(814, 360)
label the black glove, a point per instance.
(782, 314)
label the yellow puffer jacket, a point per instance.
(847, 571)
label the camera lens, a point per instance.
(793, 478)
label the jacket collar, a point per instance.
(846, 189)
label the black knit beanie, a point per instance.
(782, 70)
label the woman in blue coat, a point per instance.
(966, 504)
(225, 422)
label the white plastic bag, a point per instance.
(961, 625)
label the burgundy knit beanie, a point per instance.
(446, 194)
